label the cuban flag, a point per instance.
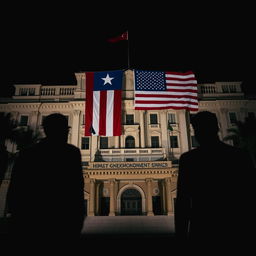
(103, 103)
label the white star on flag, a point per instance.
(107, 79)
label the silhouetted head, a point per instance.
(56, 127)
(205, 125)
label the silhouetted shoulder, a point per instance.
(191, 154)
(72, 147)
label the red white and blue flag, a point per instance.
(103, 103)
(165, 90)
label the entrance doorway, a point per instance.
(131, 202)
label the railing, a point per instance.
(61, 91)
(133, 151)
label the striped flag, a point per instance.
(165, 90)
(103, 103)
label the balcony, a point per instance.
(133, 154)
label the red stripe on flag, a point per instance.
(179, 73)
(102, 116)
(138, 95)
(117, 128)
(173, 107)
(89, 103)
(166, 102)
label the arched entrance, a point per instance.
(131, 202)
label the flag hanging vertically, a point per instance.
(123, 36)
(165, 90)
(103, 103)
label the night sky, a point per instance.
(48, 44)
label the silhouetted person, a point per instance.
(214, 190)
(46, 193)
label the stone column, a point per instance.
(116, 141)
(165, 133)
(92, 198)
(34, 122)
(184, 131)
(112, 198)
(94, 147)
(149, 198)
(146, 124)
(168, 194)
(142, 129)
(75, 128)
(122, 143)
(243, 114)
(223, 122)
(97, 198)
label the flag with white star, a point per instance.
(103, 103)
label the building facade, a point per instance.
(135, 173)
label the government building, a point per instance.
(135, 173)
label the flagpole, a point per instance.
(128, 51)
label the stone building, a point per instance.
(135, 173)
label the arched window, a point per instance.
(129, 142)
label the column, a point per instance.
(146, 134)
(75, 128)
(184, 133)
(223, 122)
(93, 147)
(122, 141)
(149, 197)
(168, 194)
(34, 122)
(112, 198)
(243, 114)
(80, 88)
(142, 129)
(97, 198)
(116, 141)
(92, 198)
(165, 133)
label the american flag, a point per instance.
(165, 90)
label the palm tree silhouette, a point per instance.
(22, 136)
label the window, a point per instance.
(174, 141)
(232, 117)
(129, 142)
(171, 118)
(153, 119)
(85, 143)
(23, 120)
(103, 142)
(154, 142)
(129, 119)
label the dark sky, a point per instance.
(47, 45)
